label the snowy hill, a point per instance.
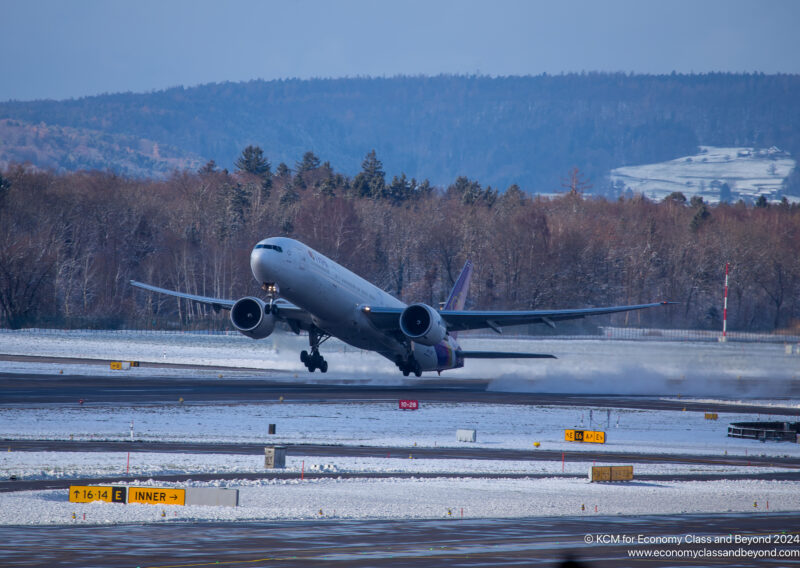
(747, 172)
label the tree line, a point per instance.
(70, 242)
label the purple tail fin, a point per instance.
(458, 296)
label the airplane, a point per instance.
(310, 292)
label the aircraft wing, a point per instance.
(464, 320)
(216, 303)
(294, 316)
(459, 320)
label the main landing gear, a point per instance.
(314, 360)
(408, 366)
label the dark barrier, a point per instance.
(774, 431)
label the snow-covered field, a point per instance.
(749, 172)
(727, 373)
(437, 498)
(69, 465)
(381, 424)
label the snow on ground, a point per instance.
(70, 465)
(280, 351)
(749, 172)
(720, 372)
(380, 423)
(377, 423)
(438, 498)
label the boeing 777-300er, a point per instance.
(311, 292)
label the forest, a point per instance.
(526, 130)
(70, 242)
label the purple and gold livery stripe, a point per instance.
(447, 358)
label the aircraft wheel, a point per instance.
(324, 366)
(417, 372)
(405, 372)
(304, 356)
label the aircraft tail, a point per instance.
(458, 295)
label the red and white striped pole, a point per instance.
(725, 308)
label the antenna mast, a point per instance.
(724, 337)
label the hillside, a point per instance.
(715, 174)
(525, 130)
(62, 148)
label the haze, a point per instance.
(55, 49)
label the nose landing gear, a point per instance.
(272, 292)
(314, 360)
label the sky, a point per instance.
(67, 49)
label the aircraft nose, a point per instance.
(260, 264)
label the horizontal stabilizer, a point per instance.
(502, 355)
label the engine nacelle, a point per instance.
(423, 324)
(249, 316)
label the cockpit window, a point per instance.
(272, 247)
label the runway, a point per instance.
(542, 541)
(398, 452)
(91, 390)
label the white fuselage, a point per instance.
(336, 298)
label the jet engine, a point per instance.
(423, 324)
(249, 316)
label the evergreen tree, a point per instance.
(327, 187)
(5, 186)
(210, 167)
(238, 203)
(310, 162)
(425, 189)
(400, 189)
(701, 212)
(513, 197)
(762, 202)
(289, 197)
(725, 193)
(676, 197)
(328, 184)
(489, 196)
(266, 188)
(468, 191)
(371, 181)
(252, 161)
(299, 183)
